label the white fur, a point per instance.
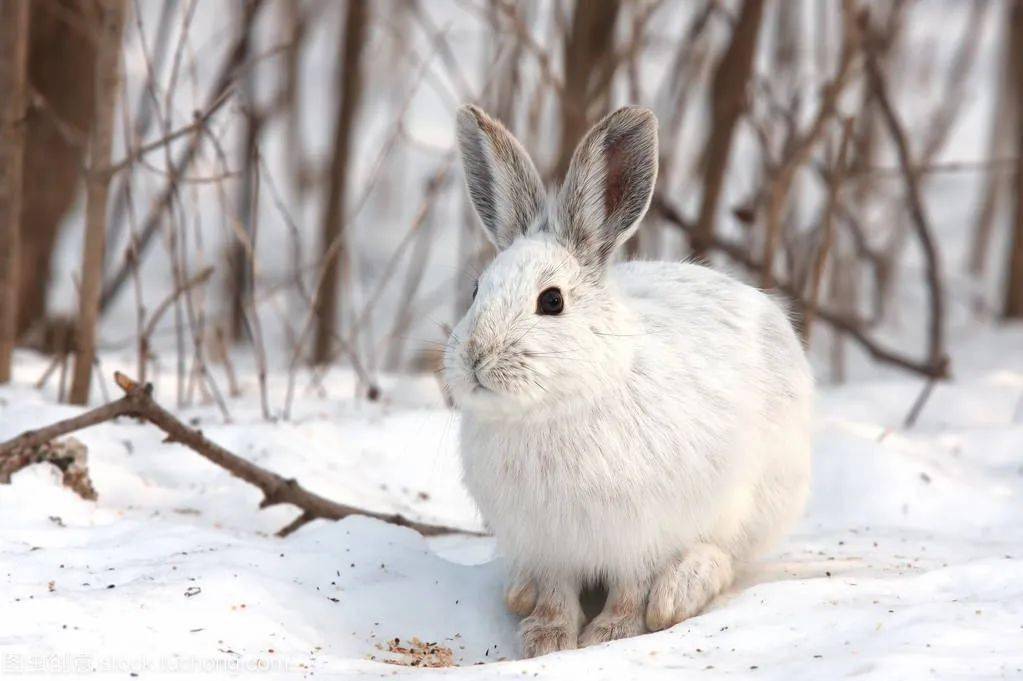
(665, 411)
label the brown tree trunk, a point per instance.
(13, 75)
(728, 102)
(108, 85)
(589, 67)
(349, 88)
(1014, 283)
(239, 257)
(64, 78)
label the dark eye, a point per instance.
(550, 302)
(475, 289)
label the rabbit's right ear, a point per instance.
(504, 185)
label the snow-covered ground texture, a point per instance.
(908, 564)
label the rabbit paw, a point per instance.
(554, 623)
(687, 585)
(622, 617)
(541, 636)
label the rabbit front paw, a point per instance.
(687, 585)
(554, 623)
(621, 617)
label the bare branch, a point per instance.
(834, 186)
(138, 402)
(838, 321)
(779, 190)
(936, 352)
(221, 90)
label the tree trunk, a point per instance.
(239, 256)
(108, 83)
(51, 171)
(728, 102)
(13, 78)
(589, 67)
(349, 88)
(1014, 283)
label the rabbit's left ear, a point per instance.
(609, 184)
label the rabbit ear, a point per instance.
(505, 188)
(609, 183)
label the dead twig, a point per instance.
(220, 93)
(778, 193)
(834, 186)
(840, 322)
(69, 456)
(138, 402)
(918, 404)
(936, 349)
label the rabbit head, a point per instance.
(545, 324)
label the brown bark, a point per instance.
(62, 85)
(1014, 281)
(728, 102)
(589, 67)
(70, 456)
(108, 85)
(240, 271)
(13, 78)
(349, 87)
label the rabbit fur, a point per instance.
(652, 436)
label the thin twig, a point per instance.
(803, 145)
(936, 352)
(918, 404)
(834, 186)
(838, 321)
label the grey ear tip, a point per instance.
(643, 115)
(470, 113)
(637, 110)
(633, 116)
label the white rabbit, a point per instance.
(642, 425)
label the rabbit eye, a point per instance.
(550, 302)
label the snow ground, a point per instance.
(909, 563)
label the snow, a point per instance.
(908, 564)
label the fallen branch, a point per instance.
(69, 456)
(138, 402)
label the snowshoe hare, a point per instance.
(645, 425)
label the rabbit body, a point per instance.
(704, 437)
(645, 425)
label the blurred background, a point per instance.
(240, 197)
